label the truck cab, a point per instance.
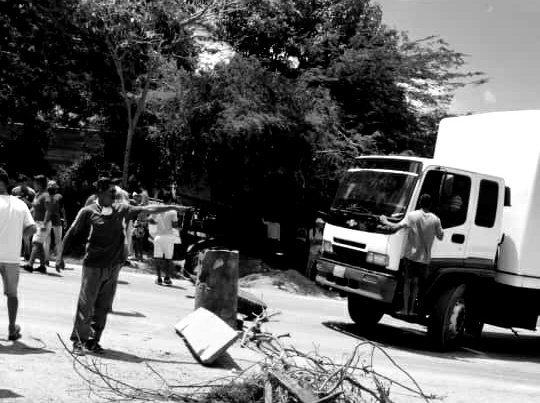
(364, 259)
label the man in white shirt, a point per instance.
(15, 221)
(164, 239)
(423, 226)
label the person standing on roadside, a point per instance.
(15, 222)
(101, 224)
(164, 240)
(58, 218)
(422, 226)
(41, 208)
(24, 192)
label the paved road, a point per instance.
(502, 368)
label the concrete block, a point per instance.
(206, 334)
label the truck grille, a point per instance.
(347, 256)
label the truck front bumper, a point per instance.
(356, 280)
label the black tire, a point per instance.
(447, 321)
(364, 311)
(249, 305)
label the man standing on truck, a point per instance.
(423, 226)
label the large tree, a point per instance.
(41, 82)
(144, 43)
(384, 82)
(314, 84)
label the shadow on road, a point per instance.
(129, 314)
(123, 282)
(8, 394)
(116, 355)
(494, 345)
(20, 348)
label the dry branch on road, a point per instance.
(283, 374)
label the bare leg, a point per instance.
(13, 306)
(158, 263)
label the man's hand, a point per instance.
(383, 220)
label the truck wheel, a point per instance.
(364, 311)
(446, 324)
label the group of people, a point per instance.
(101, 224)
(46, 205)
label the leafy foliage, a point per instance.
(314, 84)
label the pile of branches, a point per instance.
(284, 374)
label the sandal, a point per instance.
(15, 334)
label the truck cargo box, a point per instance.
(504, 144)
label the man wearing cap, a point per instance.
(15, 221)
(101, 225)
(58, 216)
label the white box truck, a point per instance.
(486, 269)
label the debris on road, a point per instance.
(290, 280)
(206, 334)
(283, 374)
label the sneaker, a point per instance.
(15, 333)
(42, 269)
(94, 347)
(28, 268)
(159, 281)
(79, 348)
(167, 281)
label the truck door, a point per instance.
(485, 231)
(450, 191)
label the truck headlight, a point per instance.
(327, 246)
(380, 259)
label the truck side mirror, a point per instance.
(507, 197)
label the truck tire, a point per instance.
(446, 325)
(364, 311)
(249, 305)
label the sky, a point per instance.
(500, 37)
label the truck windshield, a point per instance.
(375, 191)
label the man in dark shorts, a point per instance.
(423, 226)
(101, 225)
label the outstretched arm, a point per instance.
(394, 226)
(158, 209)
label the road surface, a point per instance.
(501, 368)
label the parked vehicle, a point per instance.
(486, 269)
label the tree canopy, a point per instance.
(314, 84)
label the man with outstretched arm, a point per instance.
(422, 227)
(15, 222)
(101, 225)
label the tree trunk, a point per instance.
(217, 284)
(127, 154)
